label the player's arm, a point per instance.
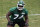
(7, 16)
(26, 18)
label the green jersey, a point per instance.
(16, 14)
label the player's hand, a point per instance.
(26, 24)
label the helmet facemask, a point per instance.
(20, 6)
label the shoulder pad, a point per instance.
(13, 8)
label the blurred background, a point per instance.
(33, 7)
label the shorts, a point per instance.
(20, 23)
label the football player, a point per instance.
(16, 15)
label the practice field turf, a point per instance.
(33, 7)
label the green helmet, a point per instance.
(20, 3)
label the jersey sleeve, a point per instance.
(26, 12)
(11, 10)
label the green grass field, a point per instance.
(33, 7)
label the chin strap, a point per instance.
(20, 9)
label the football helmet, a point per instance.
(20, 5)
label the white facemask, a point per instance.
(20, 8)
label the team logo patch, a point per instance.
(23, 13)
(16, 14)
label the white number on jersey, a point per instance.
(17, 15)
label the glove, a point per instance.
(11, 22)
(26, 24)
